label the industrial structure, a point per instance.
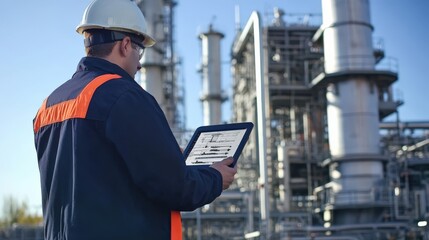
(212, 95)
(321, 162)
(159, 74)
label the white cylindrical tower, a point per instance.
(159, 70)
(347, 35)
(352, 107)
(152, 76)
(211, 95)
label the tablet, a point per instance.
(213, 143)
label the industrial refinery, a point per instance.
(321, 163)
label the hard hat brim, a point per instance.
(147, 42)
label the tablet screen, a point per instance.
(214, 146)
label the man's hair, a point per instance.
(98, 50)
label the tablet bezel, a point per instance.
(247, 126)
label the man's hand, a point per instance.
(226, 171)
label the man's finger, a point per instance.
(228, 161)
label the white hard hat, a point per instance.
(115, 15)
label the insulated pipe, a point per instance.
(254, 25)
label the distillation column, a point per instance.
(352, 110)
(153, 68)
(211, 95)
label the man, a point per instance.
(109, 164)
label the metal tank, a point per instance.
(211, 95)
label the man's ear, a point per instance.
(126, 46)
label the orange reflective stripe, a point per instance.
(74, 108)
(39, 116)
(176, 226)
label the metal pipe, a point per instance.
(415, 146)
(292, 114)
(398, 216)
(254, 25)
(404, 125)
(250, 212)
(327, 238)
(283, 158)
(199, 224)
(362, 226)
(308, 157)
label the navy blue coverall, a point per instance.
(109, 164)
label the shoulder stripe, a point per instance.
(73, 108)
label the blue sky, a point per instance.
(40, 50)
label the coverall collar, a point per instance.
(99, 64)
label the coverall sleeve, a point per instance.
(138, 129)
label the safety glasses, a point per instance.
(139, 47)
